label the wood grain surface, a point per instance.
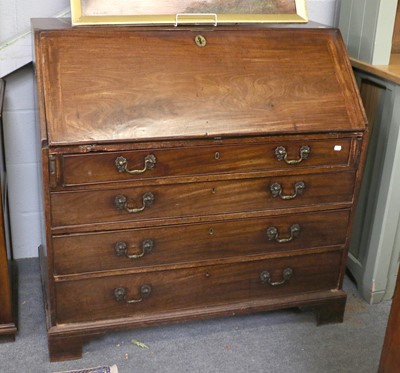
(204, 160)
(193, 243)
(200, 287)
(200, 199)
(7, 321)
(132, 84)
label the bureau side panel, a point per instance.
(45, 250)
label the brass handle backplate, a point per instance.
(281, 154)
(121, 203)
(122, 164)
(273, 234)
(265, 277)
(276, 190)
(121, 249)
(120, 294)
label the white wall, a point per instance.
(324, 11)
(15, 36)
(367, 29)
(19, 119)
(21, 160)
(15, 15)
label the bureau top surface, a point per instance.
(108, 84)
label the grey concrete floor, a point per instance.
(282, 341)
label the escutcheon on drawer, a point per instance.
(165, 292)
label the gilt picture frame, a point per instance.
(180, 12)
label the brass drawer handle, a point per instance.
(122, 165)
(265, 277)
(281, 154)
(120, 294)
(121, 249)
(121, 203)
(276, 190)
(273, 234)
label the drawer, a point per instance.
(199, 199)
(163, 292)
(201, 160)
(172, 245)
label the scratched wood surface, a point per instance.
(133, 85)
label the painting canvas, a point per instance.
(118, 7)
(189, 11)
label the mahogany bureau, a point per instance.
(193, 172)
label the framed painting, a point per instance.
(176, 12)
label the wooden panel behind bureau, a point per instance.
(8, 294)
(194, 288)
(197, 199)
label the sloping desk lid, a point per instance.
(118, 83)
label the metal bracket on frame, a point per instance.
(204, 15)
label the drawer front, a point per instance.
(201, 160)
(158, 293)
(199, 199)
(141, 248)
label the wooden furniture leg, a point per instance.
(330, 312)
(7, 333)
(63, 348)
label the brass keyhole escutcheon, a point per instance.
(200, 41)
